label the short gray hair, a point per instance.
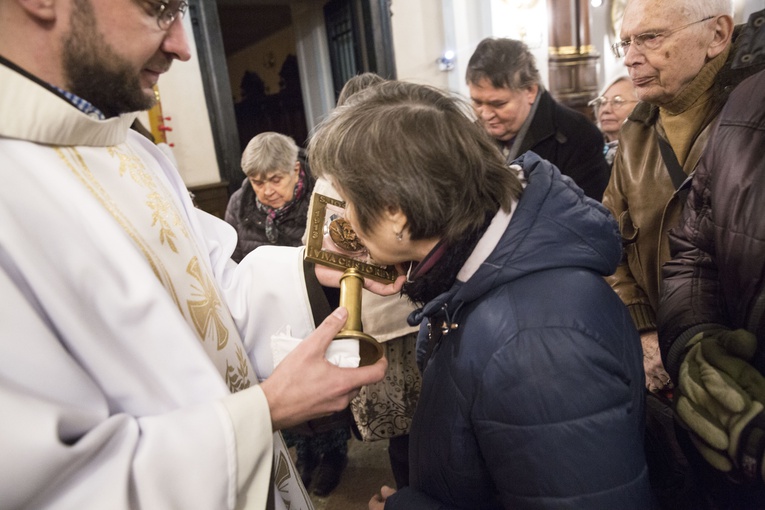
(700, 9)
(506, 63)
(616, 79)
(693, 10)
(269, 152)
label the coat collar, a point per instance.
(543, 124)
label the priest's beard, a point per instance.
(95, 72)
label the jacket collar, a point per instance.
(542, 125)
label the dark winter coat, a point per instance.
(717, 274)
(534, 398)
(716, 277)
(570, 141)
(250, 222)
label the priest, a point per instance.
(135, 360)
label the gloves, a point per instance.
(720, 401)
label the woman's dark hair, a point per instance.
(415, 148)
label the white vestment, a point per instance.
(116, 362)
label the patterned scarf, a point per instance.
(272, 215)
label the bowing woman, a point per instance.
(532, 393)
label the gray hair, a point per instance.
(269, 152)
(614, 81)
(414, 148)
(506, 63)
(693, 10)
(357, 84)
(700, 9)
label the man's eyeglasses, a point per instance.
(649, 40)
(167, 11)
(617, 102)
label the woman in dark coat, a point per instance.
(272, 205)
(532, 391)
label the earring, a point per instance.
(400, 236)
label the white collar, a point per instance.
(29, 111)
(487, 243)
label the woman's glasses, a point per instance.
(617, 102)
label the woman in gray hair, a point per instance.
(613, 105)
(272, 205)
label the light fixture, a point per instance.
(446, 61)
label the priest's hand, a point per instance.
(305, 385)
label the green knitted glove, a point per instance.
(720, 400)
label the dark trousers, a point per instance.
(672, 483)
(398, 452)
(717, 491)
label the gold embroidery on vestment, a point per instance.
(73, 159)
(238, 377)
(205, 312)
(164, 214)
(282, 476)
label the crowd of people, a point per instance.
(579, 321)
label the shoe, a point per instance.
(328, 475)
(306, 467)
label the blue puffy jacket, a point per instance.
(534, 398)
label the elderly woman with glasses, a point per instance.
(272, 205)
(532, 391)
(612, 107)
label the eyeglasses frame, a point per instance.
(165, 15)
(620, 48)
(600, 101)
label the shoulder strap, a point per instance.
(674, 168)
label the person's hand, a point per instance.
(721, 399)
(385, 289)
(656, 378)
(378, 500)
(305, 385)
(330, 277)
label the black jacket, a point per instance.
(570, 141)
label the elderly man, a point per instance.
(677, 54)
(682, 77)
(131, 346)
(711, 320)
(516, 110)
